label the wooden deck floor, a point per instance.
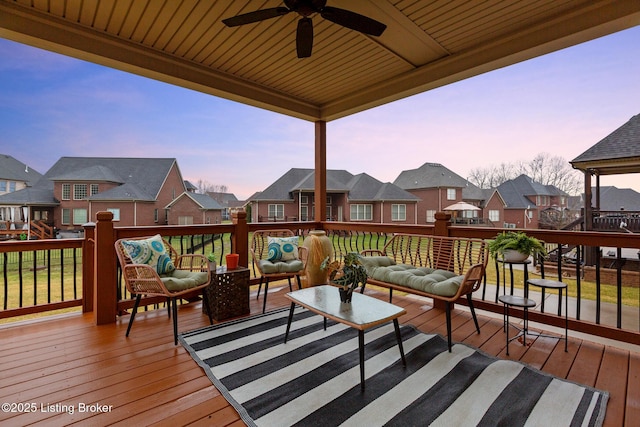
(50, 367)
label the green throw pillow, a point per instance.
(149, 251)
(283, 248)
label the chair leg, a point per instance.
(169, 307)
(259, 286)
(175, 321)
(133, 313)
(266, 291)
(473, 312)
(299, 282)
(289, 280)
(205, 301)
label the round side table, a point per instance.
(516, 301)
(561, 287)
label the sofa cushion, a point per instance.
(290, 266)
(429, 280)
(180, 280)
(149, 251)
(283, 248)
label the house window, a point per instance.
(276, 211)
(361, 212)
(79, 216)
(328, 211)
(398, 212)
(494, 215)
(185, 220)
(79, 192)
(451, 193)
(66, 191)
(94, 189)
(115, 212)
(431, 216)
(66, 216)
(3, 186)
(542, 200)
(304, 200)
(328, 200)
(155, 215)
(304, 213)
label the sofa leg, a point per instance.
(473, 312)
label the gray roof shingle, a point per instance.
(621, 143)
(359, 187)
(429, 175)
(14, 170)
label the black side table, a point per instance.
(516, 301)
(228, 293)
(561, 287)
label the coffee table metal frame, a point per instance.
(364, 312)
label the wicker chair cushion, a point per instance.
(149, 251)
(437, 282)
(291, 266)
(179, 280)
(283, 248)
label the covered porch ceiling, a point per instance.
(427, 44)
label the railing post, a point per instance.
(443, 221)
(105, 298)
(240, 238)
(88, 266)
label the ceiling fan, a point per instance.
(306, 8)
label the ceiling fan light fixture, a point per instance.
(306, 8)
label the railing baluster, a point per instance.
(21, 281)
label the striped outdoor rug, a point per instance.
(314, 379)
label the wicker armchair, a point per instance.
(270, 266)
(152, 267)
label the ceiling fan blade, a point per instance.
(353, 20)
(304, 38)
(258, 15)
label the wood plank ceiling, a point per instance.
(427, 44)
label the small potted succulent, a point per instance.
(514, 246)
(348, 274)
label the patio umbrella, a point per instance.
(461, 206)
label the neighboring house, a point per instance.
(15, 176)
(191, 188)
(437, 187)
(138, 191)
(349, 198)
(228, 201)
(618, 199)
(181, 210)
(525, 200)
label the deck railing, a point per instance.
(605, 296)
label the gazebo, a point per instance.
(617, 153)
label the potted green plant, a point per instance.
(513, 246)
(348, 274)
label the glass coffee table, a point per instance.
(363, 313)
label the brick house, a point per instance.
(138, 191)
(182, 209)
(526, 200)
(349, 198)
(437, 187)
